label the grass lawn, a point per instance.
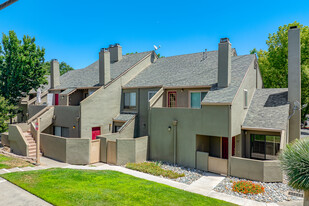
(154, 169)
(10, 162)
(88, 187)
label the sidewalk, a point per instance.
(203, 186)
(10, 194)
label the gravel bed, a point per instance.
(191, 174)
(274, 192)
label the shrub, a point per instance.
(154, 169)
(247, 187)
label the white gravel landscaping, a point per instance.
(274, 192)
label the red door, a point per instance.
(95, 132)
(225, 147)
(56, 99)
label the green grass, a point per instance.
(154, 169)
(10, 162)
(88, 187)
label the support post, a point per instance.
(175, 140)
(38, 126)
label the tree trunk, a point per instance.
(306, 198)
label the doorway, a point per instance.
(95, 132)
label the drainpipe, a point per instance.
(175, 140)
(230, 142)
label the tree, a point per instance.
(21, 67)
(5, 114)
(63, 67)
(273, 63)
(295, 162)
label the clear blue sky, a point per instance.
(74, 31)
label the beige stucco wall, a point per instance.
(18, 143)
(34, 109)
(70, 150)
(5, 139)
(238, 111)
(202, 160)
(217, 165)
(68, 116)
(265, 171)
(102, 106)
(210, 121)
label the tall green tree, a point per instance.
(6, 113)
(273, 62)
(21, 66)
(63, 67)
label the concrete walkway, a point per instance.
(10, 194)
(203, 186)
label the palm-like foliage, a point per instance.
(295, 162)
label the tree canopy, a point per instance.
(273, 62)
(63, 67)
(6, 113)
(21, 66)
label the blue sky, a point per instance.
(74, 31)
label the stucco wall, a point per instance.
(210, 120)
(265, 171)
(68, 116)
(33, 109)
(70, 150)
(5, 139)
(238, 110)
(202, 161)
(98, 109)
(18, 143)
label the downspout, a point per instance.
(175, 140)
(230, 142)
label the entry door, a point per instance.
(95, 132)
(171, 99)
(225, 147)
(56, 99)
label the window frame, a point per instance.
(196, 91)
(129, 107)
(253, 139)
(149, 92)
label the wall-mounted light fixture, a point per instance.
(169, 128)
(74, 127)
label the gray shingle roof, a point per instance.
(269, 109)
(89, 76)
(191, 70)
(67, 91)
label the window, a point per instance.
(196, 98)
(151, 94)
(172, 99)
(245, 98)
(264, 146)
(130, 100)
(61, 131)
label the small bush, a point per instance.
(154, 169)
(247, 187)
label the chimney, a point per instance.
(294, 82)
(116, 52)
(224, 63)
(104, 66)
(54, 74)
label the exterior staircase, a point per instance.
(32, 145)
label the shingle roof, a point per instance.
(89, 76)
(191, 70)
(269, 109)
(124, 117)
